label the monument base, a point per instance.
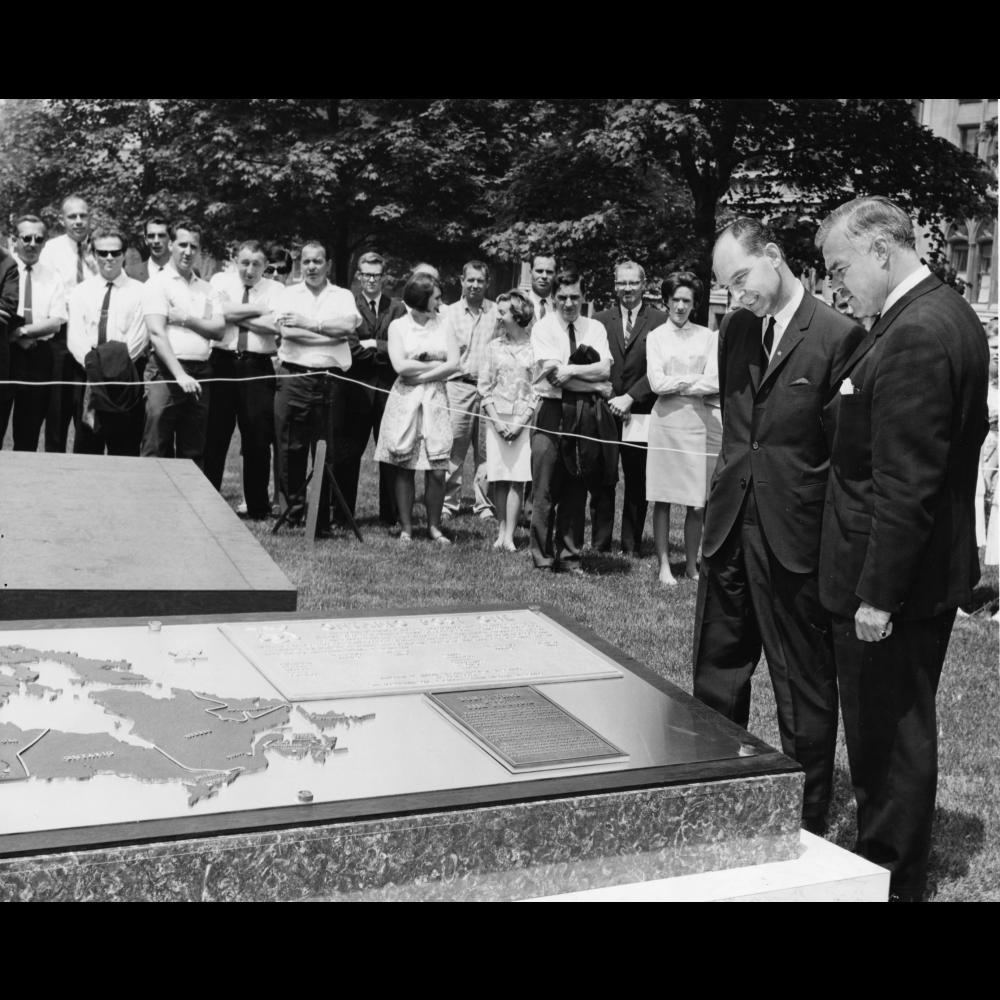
(504, 852)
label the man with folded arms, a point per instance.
(316, 319)
(184, 317)
(107, 309)
(244, 356)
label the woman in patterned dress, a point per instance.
(416, 427)
(682, 365)
(508, 402)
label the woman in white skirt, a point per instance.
(682, 365)
(508, 402)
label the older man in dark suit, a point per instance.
(370, 366)
(627, 325)
(899, 543)
(780, 357)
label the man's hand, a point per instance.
(176, 317)
(872, 625)
(621, 405)
(189, 384)
(293, 319)
(561, 374)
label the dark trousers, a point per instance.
(560, 500)
(176, 421)
(364, 408)
(307, 409)
(64, 400)
(118, 433)
(747, 599)
(29, 402)
(887, 693)
(250, 405)
(602, 502)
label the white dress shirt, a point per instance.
(229, 287)
(61, 254)
(48, 294)
(317, 351)
(910, 281)
(125, 318)
(550, 342)
(784, 316)
(195, 297)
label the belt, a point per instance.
(303, 370)
(241, 354)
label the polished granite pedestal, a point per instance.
(97, 535)
(407, 807)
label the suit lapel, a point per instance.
(639, 327)
(792, 336)
(616, 330)
(752, 339)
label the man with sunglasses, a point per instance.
(71, 257)
(41, 313)
(781, 353)
(107, 308)
(370, 365)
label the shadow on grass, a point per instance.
(956, 839)
(984, 598)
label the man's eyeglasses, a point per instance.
(108, 254)
(369, 277)
(38, 240)
(276, 269)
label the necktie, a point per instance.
(572, 339)
(628, 326)
(241, 337)
(541, 311)
(768, 341)
(102, 323)
(371, 305)
(79, 263)
(28, 318)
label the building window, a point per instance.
(968, 138)
(959, 256)
(983, 269)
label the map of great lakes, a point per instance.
(201, 740)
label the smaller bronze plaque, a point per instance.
(523, 729)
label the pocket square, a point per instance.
(847, 388)
(801, 381)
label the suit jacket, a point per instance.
(628, 364)
(772, 430)
(371, 365)
(899, 526)
(10, 293)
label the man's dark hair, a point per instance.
(316, 243)
(279, 255)
(751, 234)
(567, 276)
(375, 259)
(476, 265)
(107, 233)
(254, 246)
(418, 291)
(187, 225)
(155, 220)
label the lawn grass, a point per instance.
(622, 601)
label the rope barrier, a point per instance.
(365, 385)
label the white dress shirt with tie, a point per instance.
(48, 294)
(125, 318)
(229, 287)
(62, 255)
(784, 316)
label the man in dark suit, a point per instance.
(627, 325)
(899, 543)
(365, 403)
(780, 357)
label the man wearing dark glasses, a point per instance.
(107, 309)
(41, 313)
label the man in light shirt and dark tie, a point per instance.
(543, 272)
(107, 308)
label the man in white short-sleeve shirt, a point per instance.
(107, 308)
(245, 355)
(41, 312)
(184, 316)
(560, 497)
(316, 319)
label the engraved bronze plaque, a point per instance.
(523, 729)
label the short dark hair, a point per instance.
(155, 220)
(316, 243)
(567, 276)
(108, 233)
(751, 234)
(372, 258)
(29, 218)
(521, 307)
(278, 255)
(476, 265)
(418, 291)
(187, 225)
(682, 279)
(254, 246)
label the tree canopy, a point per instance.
(594, 181)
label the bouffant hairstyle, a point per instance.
(521, 307)
(418, 291)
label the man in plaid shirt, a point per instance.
(474, 319)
